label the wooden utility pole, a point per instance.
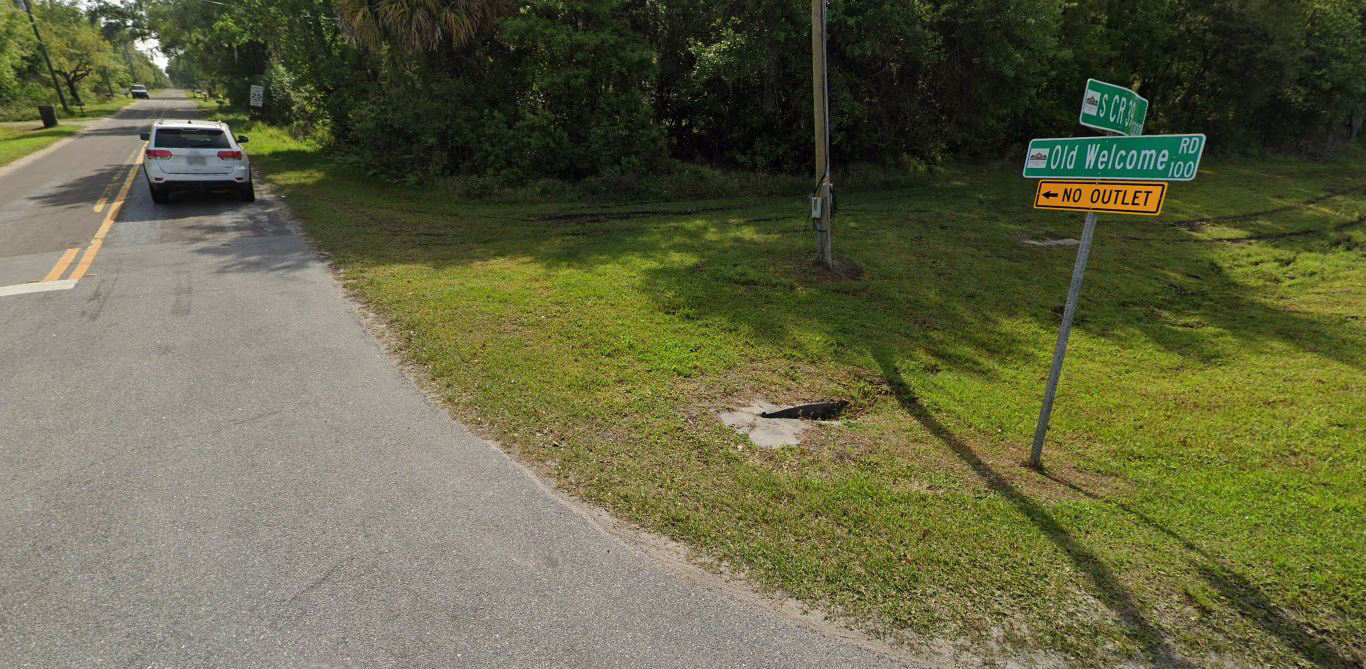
(42, 48)
(128, 58)
(820, 96)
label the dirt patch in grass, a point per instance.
(602, 216)
(828, 447)
(807, 269)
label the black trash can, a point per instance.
(49, 115)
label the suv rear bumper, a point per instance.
(239, 175)
(202, 186)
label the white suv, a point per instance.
(196, 155)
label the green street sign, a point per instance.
(1113, 108)
(1142, 158)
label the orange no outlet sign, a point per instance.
(1143, 198)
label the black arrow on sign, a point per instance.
(1049, 195)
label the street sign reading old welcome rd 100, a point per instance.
(1147, 157)
(1113, 108)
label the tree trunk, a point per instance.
(75, 97)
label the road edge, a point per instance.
(674, 557)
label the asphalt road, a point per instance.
(207, 461)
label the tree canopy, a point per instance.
(91, 46)
(571, 88)
(76, 46)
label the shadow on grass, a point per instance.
(1245, 597)
(1105, 584)
(942, 284)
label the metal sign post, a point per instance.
(1111, 167)
(1064, 331)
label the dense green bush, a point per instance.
(581, 82)
(554, 101)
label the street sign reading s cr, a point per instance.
(1146, 157)
(1113, 108)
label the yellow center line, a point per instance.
(98, 241)
(60, 267)
(109, 190)
(104, 197)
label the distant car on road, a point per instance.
(196, 156)
(140, 91)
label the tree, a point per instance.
(183, 72)
(219, 42)
(122, 24)
(77, 48)
(525, 88)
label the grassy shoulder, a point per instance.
(97, 109)
(1203, 495)
(20, 139)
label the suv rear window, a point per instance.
(190, 138)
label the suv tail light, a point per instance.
(158, 154)
(230, 155)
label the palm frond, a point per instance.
(416, 25)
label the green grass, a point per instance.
(19, 140)
(1203, 497)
